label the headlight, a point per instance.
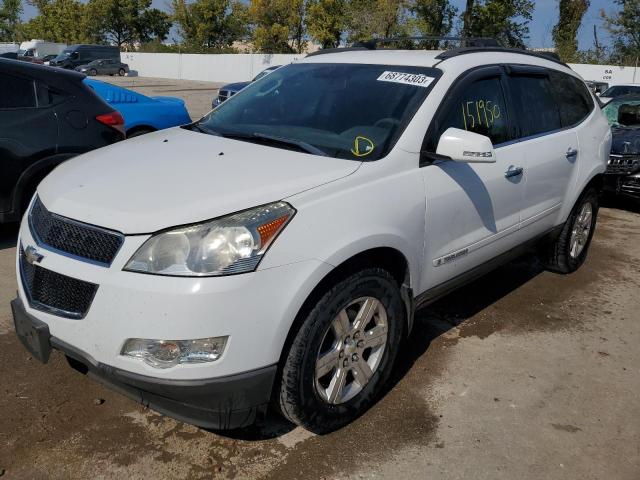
(227, 245)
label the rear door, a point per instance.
(29, 131)
(549, 150)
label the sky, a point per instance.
(544, 18)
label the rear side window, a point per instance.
(535, 105)
(16, 92)
(574, 101)
(480, 108)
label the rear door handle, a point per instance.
(572, 153)
(513, 172)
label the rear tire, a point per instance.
(343, 354)
(569, 251)
(121, 72)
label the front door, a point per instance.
(473, 210)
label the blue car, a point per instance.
(142, 114)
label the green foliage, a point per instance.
(10, 11)
(368, 19)
(63, 21)
(504, 20)
(566, 30)
(326, 21)
(210, 24)
(127, 21)
(624, 27)
(278, 25)
(434, 18)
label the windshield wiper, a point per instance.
(304, 146)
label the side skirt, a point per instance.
(442, 290)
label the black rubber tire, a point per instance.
(556, 256)
(298, 399)
(122, 72)
(93, 72)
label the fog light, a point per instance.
(169, 353)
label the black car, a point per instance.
(46, 116)
(104, 66)
(623, 172)
(76, 55)
(231, 89)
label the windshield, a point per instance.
(623, 113)
(343, 110)
(620, 90)
(64, 54)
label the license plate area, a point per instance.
(33, 333)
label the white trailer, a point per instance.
(40, 48)
(9, 47)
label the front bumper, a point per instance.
(218, 403)
(628, 186)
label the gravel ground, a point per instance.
(523, 374)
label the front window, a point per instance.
(340, 110)
(65, 54)
(620, 90)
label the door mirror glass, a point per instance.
(463, 146)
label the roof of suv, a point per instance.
(462, 58)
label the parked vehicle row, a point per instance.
(275, 251)
(229, 90)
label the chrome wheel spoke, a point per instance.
(362, 372)
(366, 312)
(327, 362)
(341, 325)
(376, 336)
(581, 230)
(334, 391)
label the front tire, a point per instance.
(93, 72)
(343, 353)
(569, 251)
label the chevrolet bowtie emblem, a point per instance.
(32, 256)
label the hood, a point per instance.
(176, 177)
(234, 87)
(625, 141)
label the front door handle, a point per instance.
(572, 154)
(513, 172)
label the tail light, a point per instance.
(113, 120)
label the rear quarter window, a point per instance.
(534, 105)
(574, 100)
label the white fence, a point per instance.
(242, 67)
(212, 68)
(607, 73)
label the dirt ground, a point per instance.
(523, 374)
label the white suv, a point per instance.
(276, 250)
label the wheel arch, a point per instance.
(387, 258)
(31, 177)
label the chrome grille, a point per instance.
(55, 293)
(89, 243)
(623, 164)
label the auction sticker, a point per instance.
(415, 79)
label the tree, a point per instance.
(434, 18)
(10, 11)
(63, 21)
(505, 20)
(278, 25)
(207, 24)
(326, 21)
(128, 21)
(624, 27)
(367, 19)
(566, 30)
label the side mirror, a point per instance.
(463, 146)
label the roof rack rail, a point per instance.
(373, 43)
(456, 52)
